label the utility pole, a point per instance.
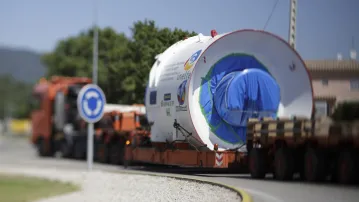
(90, 126)
(292, 23)
(95, 45)
(353, 52)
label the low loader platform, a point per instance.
(187, 157)
(316, 149)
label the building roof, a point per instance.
(332, 65)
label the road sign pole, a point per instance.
(90, 143)
(90, 104)
(90, 127)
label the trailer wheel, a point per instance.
(314, 165)
(346, 168)
(116, 153)
(257, 163)
(102, 152)
(283, 164)
(126, 163)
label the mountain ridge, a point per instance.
(22, 64)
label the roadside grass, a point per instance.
(18, 188)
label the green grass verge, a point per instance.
(15, 188)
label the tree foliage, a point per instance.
(14, 99)
(124, 62)
(346, 111)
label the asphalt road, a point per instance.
(18, 152)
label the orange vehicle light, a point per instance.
(215, 147)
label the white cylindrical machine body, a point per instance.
(124, 108)
(185, 81)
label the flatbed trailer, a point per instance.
(181, 155)
(315, 149)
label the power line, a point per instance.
(270, 15)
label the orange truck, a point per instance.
(57, 126)
(55, 114)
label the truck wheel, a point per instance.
(283, 164)
(79, 150)
(41, 150)
(116, 153)
(66, 150)
(257, 163)
(346, 168)
(102, 152)
(314, 165)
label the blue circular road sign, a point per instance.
(91, 102)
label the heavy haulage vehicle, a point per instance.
(242, 99)
(57, 126)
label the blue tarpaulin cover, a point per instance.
(234, 89)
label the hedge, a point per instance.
(346, 111)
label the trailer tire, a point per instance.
(346, 168)
(126, 163)
(116, 153)
(314, 165)
(257, 163)
(283, 164)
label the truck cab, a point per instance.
(56, 125)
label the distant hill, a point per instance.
(22, 65)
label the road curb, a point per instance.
(245, 196)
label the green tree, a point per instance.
(124, 63)
(73, 57)
(14, 100)
(147, 41)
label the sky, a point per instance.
(324, 27)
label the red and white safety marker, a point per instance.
(219, 159)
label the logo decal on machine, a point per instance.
(167, 97)
(188, 65)
(167, 101)
(181, 96)
(181, 92)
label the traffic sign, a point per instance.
(91, 102)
